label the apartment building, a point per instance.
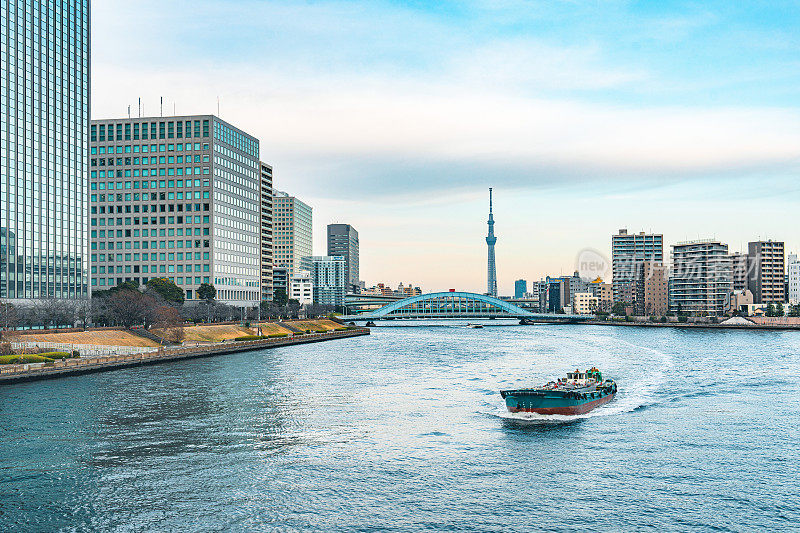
(767, 279)
(652, 290)
(701, 279)
(628, 252)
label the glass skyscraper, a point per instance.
(343, 241)
(44, 139)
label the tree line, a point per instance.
(159, 304)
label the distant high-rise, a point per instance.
(328, 276)
(520, 288)
(266, 232)
(491, 285)
(291, 236)
(793, 273)
(629, 251)
(343, 241)
(44, 143)
(767, 275)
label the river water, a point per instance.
(405, 430)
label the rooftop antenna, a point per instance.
(162, 106)
(140, 107)
(173, 109)
(129, 111)
(217, 105)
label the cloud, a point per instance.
(396, 118)
(383, 135)
(388, 100)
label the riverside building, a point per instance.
(176, 198)
(793, 274)
(701, 279)
(628, 252)
(44, 141)
(739, 266)
(292, 232)
(767, 276)
(652, 294)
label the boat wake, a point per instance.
(633, 395)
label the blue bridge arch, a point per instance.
(455, 305)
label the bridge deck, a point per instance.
(455, 305)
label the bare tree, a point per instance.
(168, 324)
(53, 313)
(131, 308)
(100, 310)
(8, 315)
(223, 313)
(195, 312)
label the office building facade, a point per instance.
(328, 274)
(701, 278)
(343, 241)
(176, 198)
(44, 142)
(280, 281)
(585, 303)
(301, 288)
(604, 293)
(767, 272)
(793, 282)
(628, 252)
(292, 232)
(520, 288)
(266, 195)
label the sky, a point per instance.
(681, 118)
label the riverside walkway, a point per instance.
(36, 371)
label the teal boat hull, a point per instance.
(557, 402)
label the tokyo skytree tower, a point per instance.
(491, 285)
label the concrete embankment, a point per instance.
(31, 372)
(690, 325)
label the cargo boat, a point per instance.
(578, 393)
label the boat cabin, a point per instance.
(582, 377)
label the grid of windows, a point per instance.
(292, 235)
(44, 120)
(187, 210)
(266, 232)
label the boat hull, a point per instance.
(555, 402)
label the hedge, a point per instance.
(21, 359)
(58, 355)
(277, 335)
(248, 338)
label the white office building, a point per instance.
(793, 272)
(301, 288)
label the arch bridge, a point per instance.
(454, 305)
